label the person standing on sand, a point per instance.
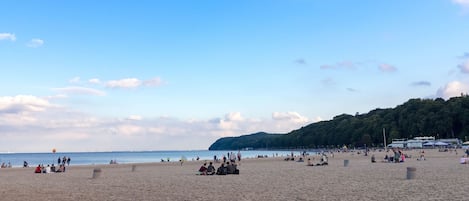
(239, 156)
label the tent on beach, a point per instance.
(441, 144)
(429, 144)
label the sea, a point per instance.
(95, 158)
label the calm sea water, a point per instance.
(89, 158)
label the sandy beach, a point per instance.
(439, 177)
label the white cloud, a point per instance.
(464, 67)
(153, 82)
(134, 117)
(341, 65)
(464, 3)
(289, 116)
(128, 130)
(22, 103)
(74, 80)
(129, 83)
(453, 89)
(124, 83)
(94, 81)
(80, 91)
(387, 68)
(35, 43)
(234, 116)
(7, 36)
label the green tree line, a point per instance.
(416, 117)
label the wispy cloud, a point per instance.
(129, 83)
(464, 56)
(351, 65)
(135, 117)
(387, 68)
(301, 61)
(74, 80)
(35, 43)
(124, 83)
(463, 3)
(94, 81)
(7, 36)
(421, 83)
(464, 66)
(79, 91)
(352, 90)
(22, 103)
(289, 116)
(340, 65)
(153, 82)
(328, 82)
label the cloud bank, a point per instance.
(37, 125)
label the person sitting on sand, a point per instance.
(38, 169)
(203, 169)
(61, 168)
(300, 160)
(47, 169)
(210, 169)
(309, 162)
(222, 169)
(230, 168)
(463, 160)
(323, 160)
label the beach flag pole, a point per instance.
(384, 137)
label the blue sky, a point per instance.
(177, 75)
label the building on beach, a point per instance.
(422, 142)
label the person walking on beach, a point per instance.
(68, 161)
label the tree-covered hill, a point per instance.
(416, 117)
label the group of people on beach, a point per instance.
(4, 165)
(62, 162)
(323, 159)
(397, 157)
(229, 168)
(49, 168)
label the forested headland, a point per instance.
(416, 117)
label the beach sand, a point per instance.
(440, 177)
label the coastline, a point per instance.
(439, 177)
